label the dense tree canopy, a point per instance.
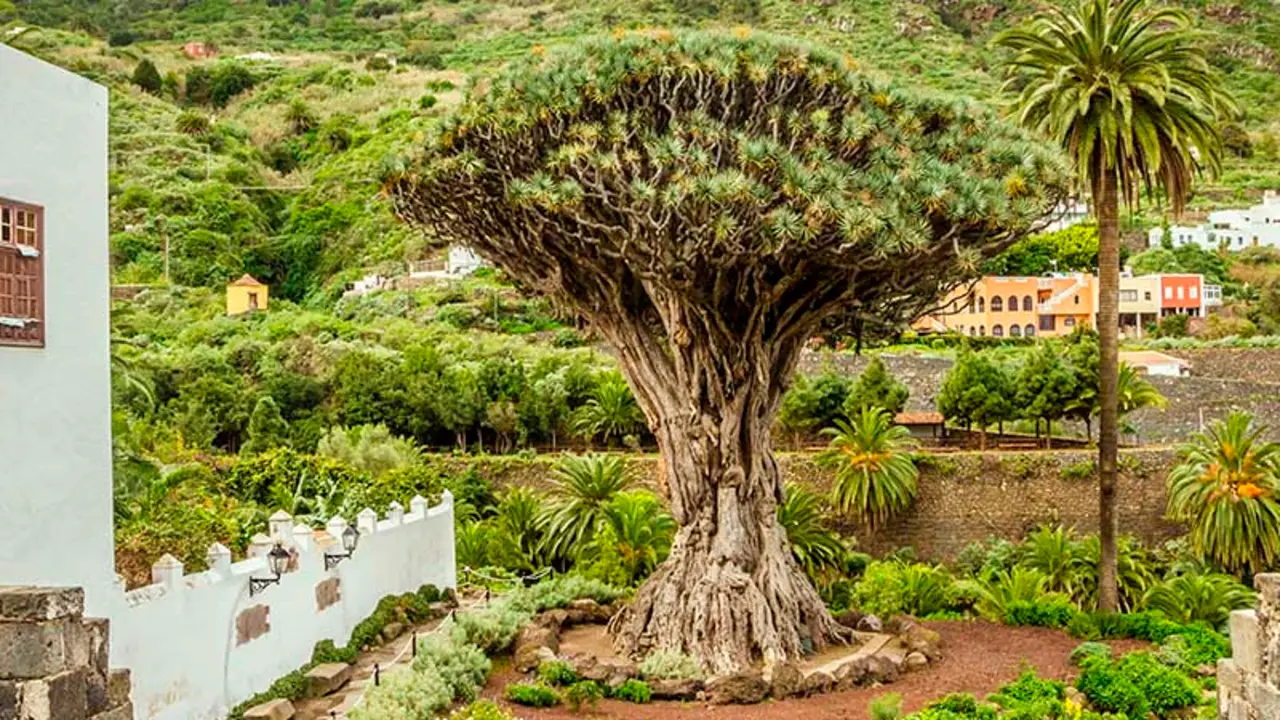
(706, 201)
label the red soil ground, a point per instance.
(980, 657)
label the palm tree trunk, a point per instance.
(1107, 197)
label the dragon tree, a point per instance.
(706, 201)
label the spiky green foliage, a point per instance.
(815, 546)
(1122, 87)
(1136, 392)
(1055, 553)
(634, 539)
(582, 486)
(610, 413)
(1224, 487)
(876, 387)
(876, 474)
(1207, 598)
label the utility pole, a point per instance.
(164, 235)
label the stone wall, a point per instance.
(964, 497)
(54, 661)
(1249, 681)
(1192, 400)
(1252, 364)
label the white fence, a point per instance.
(200, 644)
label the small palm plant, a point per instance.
(610, 413)
(814, 546)
(1056, 554)
(1133, 572)
(582, 487)
(639, 534)
(1207, 598)
(1000, 590)
(1136, 392)
(1225, 488)
(516, 542)
(876, 473)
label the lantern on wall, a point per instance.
(277, 563)
(350, 539)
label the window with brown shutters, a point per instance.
(21, 274)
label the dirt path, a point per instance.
(980, 657)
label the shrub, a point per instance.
(532, 695)
(1087, 651)
(670, 665)
(462, 667)
(633, 691)
(1164, 688)
(493, 630)
(1110, 690)
(1049, 611)
(962, 705)
(558, 673)
(405, 694)
(481, 710)
(892, 588)
(885, 707)
(585, 692)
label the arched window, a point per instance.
(1027, 305)
(982, 329)
(981, 305)
(1029, 331)
(971, 305)
(1013, 303)
(997, 304)
(973, 330)
(997, 331)
(1015, 331)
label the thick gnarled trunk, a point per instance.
(730, 593)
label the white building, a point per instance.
(1067, 213)
(1235, 229)
(1149, 362)
(463, 260)
(55, 391)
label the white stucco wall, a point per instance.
(55, 404)
(179, 638)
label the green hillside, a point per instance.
(269, 164)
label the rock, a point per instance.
(391, 631)
(744, 688)
(675, 688)
(594, 611)
(529, 643)
(545, 654)
(554, 619)
(914, 661)
(327, 678)
(451, 598)
(784, 680)
(119, 685)
(119, 712)
(917, 638)
(870, 623)
(851, 674)
(850, 619)
(1206, 671)
(818, 682)
(272, 710)
(882, 669)
(585, 665)
(1076, 697)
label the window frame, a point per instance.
(12, 247)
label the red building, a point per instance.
(1182, 294)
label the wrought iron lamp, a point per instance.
(277, 563)
(350, 538)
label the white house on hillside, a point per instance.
(55, 377)
(1236, 229)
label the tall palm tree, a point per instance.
(1128, 94)
(1226, 488)
(876, 473)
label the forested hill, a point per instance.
(265, 158)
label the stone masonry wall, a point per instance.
(53, 660)
(1249, 681)
(1252, 364)
(963, 497)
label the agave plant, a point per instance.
(814, 546)
(1225, 489)
(1207, 598)
(517, 539)
(876, 473)
(582, 486)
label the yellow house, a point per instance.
(246, 295)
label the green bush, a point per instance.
(885, 707)
(1165, 688)
(462, 667)
(633, 691)
(1087, 651)
(481, 710)
(670, 665)
(532, 695)
(1049, 611)
(961, 705)
(557, 673)
(1111, 690)
(584, 692)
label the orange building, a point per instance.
(1017, 307)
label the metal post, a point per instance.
(415, 644)
(377, 674)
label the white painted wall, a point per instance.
(179, 636)
(463, 260)
(55, 402)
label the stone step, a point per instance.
(872, 643)
(271, 710)
(327, 679)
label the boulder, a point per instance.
(916, 637)
(554, 619)
(850, 619)
(852, 674)
(590, 610)
(529, 644)
(870, 623)
(451, 598)
(818, 682)
(327, 678)
(1076, 697)
(882, 669)
(784, 680)
(914, 661)
(586, 666)
(681, 689)
(545, 654)
(744, 688)
(391, 631)
(272, 710)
